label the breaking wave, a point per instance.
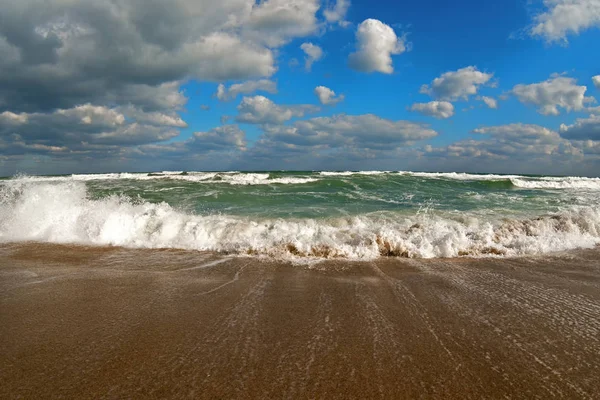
(63, 212)
(254, 178)
(558, 183)
(232, 178)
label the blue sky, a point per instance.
(472, 86)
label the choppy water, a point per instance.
(355, 215)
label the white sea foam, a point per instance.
(558, 183)
(332, 173)
(232, 178)
(350, 173)
(461, 176)
(249, 178)
(568, 182)
(263, 179)
(62, 212)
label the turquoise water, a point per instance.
(312, 195)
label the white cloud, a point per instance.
(222, 56)
(563, 17)
(87, 52)
(376, 43)
(523, 132)
(165, 96)
(93, 115)
(489, 101)
(558, 91)
(214, 148)
(454, 85)
(260, 110)
(337, 13)
(582, 129)
(10, 118)
(596, 80)
(229, 93)
(366, 131)
(275, 22)
(69, 68)
(509, 142)
(153, 118)
(90, 125)
(313, 53)
(437, 109)
(593, 110)
(327, 96)
(222, 137)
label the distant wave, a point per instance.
(62, 212)
(460, 176)
(265, 178)
(558, 183)
(231, 178)
(350, 173)
(520, 181)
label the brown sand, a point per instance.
(80, 322)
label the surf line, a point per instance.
(207, 265)
(236, 277)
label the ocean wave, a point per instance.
(350, 173)
(62, 212)
(231, 178)
(460, 176)
(265, 178)
(558, 183)
(519, 181)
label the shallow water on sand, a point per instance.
(102, 322)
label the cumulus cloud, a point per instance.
(454, 85)
(79, 52)
(276, 22)
(229, 93)
(582, 129)
(522, 142)
(376, 43)
(593, 110)
(596, 80)
(524, 132)
(260, 110)
(489, 101)
(222, 137)
(68, 67)
(75, 53)
(366, 131)
(327, 96)
(558, 91)
(437, 109)
(563, 17)
(313, 53)
(337, 12)
(85, 125)
(212, 149)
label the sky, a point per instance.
(196, 85)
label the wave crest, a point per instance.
(62, 212)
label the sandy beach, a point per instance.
(84, 322)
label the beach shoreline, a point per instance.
(109, 322)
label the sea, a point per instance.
(311, 215)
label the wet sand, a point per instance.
(79, 322)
